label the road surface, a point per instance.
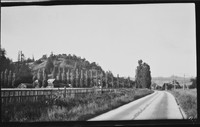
(159, 105)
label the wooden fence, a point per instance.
(17, 95)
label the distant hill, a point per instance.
(161, 80)
(63, 61)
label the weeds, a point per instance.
(81, 107)
(188, 101)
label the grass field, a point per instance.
(187, 100)
(80, 107)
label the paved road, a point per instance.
(159, 105)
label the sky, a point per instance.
(113, 36)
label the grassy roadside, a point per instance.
(80, 107)
(187, 100)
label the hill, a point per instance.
(63, 61)
(161, 80)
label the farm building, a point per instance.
(25, 85)
(51, 83)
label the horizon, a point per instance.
(113, 36)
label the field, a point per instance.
(187, 100)
(80, 107)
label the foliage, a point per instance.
(38, 61)
(143, 75)
(49, 65)
(23, 75)
(5, 62)
(187, 100)
(79, 107)
(194, 83)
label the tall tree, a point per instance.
(5, 63)
(13, 80)
(40, 77)
(49, 65)
(54, 73)
(59, 74)
(64, 75)
(6, 78)
(194, 83)
(2, 79)
(10, 79)
(143, 75)
(45, 78)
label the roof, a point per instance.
(50, 80)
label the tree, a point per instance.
(64, 75)
(59, 74)
(40, 77)
(49, 65)
(194, 83)
(143, 75)
(13, 80)
(6, 78)
(44, 57)
(5, 63)
(45, 78)
(23, 75)
(10, 79)
(54, 73)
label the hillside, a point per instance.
(63, 61)
(75, 62)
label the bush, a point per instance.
(188, 101)
(80, 107)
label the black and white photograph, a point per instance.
(98, 62)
